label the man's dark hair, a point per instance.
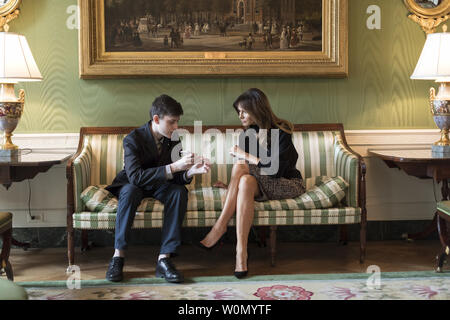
(165, 106)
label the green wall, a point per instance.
(378, 93)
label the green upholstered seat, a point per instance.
(11, 291)
(444, 207)
(5, 221)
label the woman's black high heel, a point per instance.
(202, 246)
(242, 274)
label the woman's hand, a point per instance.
(237, 152)
(220, 184)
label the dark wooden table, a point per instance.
(26, 165)
(423, 164)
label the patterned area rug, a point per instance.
(382, 286)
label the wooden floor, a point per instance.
(292, 258)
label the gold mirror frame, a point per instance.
(428, 18)
(8, 12)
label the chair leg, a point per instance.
(273, 244)
(70, 247)
(443, 236)
(362, 240)
(4, 260)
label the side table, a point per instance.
(423, 164)
(26, 164)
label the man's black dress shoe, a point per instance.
(115, 268)
(166, 269)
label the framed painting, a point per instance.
(213, 38)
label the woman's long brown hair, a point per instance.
(256, 104)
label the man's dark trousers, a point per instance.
(173, 196)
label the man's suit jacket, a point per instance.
(143, 167)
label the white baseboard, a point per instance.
(391, 194)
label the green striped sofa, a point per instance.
(322, 150)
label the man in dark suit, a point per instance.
(153, 168)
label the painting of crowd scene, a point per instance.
(213, 25)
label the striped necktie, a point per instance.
(159, 145)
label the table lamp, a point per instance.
(16, 65)
(434, 64)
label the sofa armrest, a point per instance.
(79, 174)
(349, 164)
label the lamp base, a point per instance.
(7, 143)
(9, 155)
(435, 149)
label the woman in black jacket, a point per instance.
(265, 170)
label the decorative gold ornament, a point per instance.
(8, 11)
(428, 14)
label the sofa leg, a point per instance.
(260, 235)
(273, 244)
(85, 240)
(343, 234)
(70, 247)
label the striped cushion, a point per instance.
(98, 199)
(309, 183)
(332, 216)
(327, 194)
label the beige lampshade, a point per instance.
(16, 60)
(434, 61)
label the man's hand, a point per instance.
(183, 164)
(199, 168)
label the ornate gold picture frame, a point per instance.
(429, 14)
(97, 62)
